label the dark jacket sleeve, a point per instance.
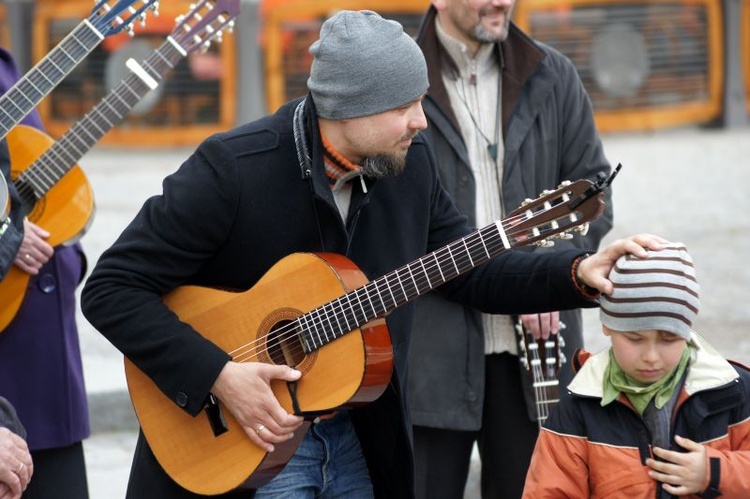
(9, 418)
(168, 241)
(11, 229)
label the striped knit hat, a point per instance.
(656, 293)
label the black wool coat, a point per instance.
(238, 205)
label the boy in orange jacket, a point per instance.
(660, 413)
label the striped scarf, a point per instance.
(335, 164)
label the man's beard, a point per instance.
(483, 36)
(384, 165)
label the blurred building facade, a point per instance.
(646, 64)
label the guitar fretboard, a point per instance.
(24, 96)
(49, 168)
(379, 297)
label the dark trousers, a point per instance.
(58, 472)
(506, 442)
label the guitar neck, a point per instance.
(26, 94)
(546, 391)
(49, 168)
(379, 297)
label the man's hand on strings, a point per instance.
(245, 389)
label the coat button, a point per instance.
(472, 396)
(47, 283)
(182, 399)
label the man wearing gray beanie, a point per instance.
(658, 414)
(346, 85)
(300, 398)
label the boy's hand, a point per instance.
(683, 473)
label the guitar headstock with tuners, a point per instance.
(111, 17)
(542, 359)
(205, 22)
(556, 214)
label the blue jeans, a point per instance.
(327, 464)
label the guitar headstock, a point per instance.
(544, 357)
(205, 21)
(556, 214)
(110, 17)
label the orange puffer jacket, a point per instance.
(586, 450)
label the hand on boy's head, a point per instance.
(595, 269)
(682, 473)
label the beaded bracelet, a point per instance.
(583, 288)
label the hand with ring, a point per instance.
(245, 390)
(16, 466)
(35, 251)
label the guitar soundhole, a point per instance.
(284, 345)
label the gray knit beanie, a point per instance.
(656, 293)
(364, 65)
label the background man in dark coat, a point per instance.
(508, 118)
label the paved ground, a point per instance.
(687, 185)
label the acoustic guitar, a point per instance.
(54, 190)
(319, 313)
(542, 359)
(106, 18)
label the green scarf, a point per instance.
(639, 394)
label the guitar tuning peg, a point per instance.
(526, 201)
(583, 229)
(565, 236)
(563, 358)
(564, 183)
(544, 243)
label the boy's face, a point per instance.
(646, 356)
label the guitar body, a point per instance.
(65, 211)
(352, 370)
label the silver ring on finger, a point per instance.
(20, 468)
(27, 257)
(260, 429)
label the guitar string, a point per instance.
(249, 351)
(87, 37)
(49, 161)
(57, 153)
(85, 40)
(288, 331)
(543, 399)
